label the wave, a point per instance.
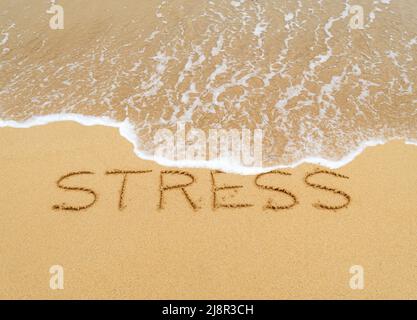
(320, 90)
(126, 130)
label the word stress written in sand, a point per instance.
(342, 199)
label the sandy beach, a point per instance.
(176, 252)
(322, 92)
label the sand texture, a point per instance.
(291, 242)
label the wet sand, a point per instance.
(295, 69)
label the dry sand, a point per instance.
(145, 252)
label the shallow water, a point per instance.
(318, 89)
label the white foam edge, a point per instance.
(126, 130)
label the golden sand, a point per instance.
(135, 249)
